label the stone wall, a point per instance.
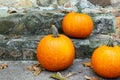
(24, 22)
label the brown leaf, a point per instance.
(91, 77)
(36, 68)
(3, 66)
(69, 74)
(86, 64)
(30, 68)
(37, 72)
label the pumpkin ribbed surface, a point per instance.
(77, 25)
(106, 61)
(55, 54)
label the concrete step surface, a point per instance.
(17, 70)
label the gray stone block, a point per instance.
(24, 47)
(39, 23)
(85, 47)
(12, 54)
(2, 51)
(104, 24)
(30, 23)
(29, 54)
(21, 32)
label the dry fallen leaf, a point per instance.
(57, 76)
(37, 72)
(86, 64)
(36, 68)
(91, 77)
(69, 74)
(30, 68)
(3, 66)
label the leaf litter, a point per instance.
(87, 64)
(59, 76)
(91, 78)
(3, 66)
(36, 68)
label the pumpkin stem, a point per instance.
(110, 43)
(79, 8)
(55, 31)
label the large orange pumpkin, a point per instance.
(106, 61)
(55, 53)
(77, 25)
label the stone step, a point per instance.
(39, 23)
(18, 70)
(19, 47)
(24, 22)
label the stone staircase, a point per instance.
(22, 29)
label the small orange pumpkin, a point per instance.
(77, 25)
(105, 61)
(55, 52)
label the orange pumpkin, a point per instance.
(106, 61)
(77, 25)
(55, 53)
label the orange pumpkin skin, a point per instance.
(55, 54)
(106, 61)
(77, 25)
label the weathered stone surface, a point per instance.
(104, 23)
(20, 48)
(43, 2)
(24, 22)
(24, 47)
(12, 54)
(21, 6)
(19, 28)
(2, 51)
(88, 7)
(1, 38)
(101, 2)
(62, 2)
(17, 3)
(18, 70)
(40, 23)
(6, 26)
(115, 1)
(31, 23)
(29, 54)
(85, 47)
